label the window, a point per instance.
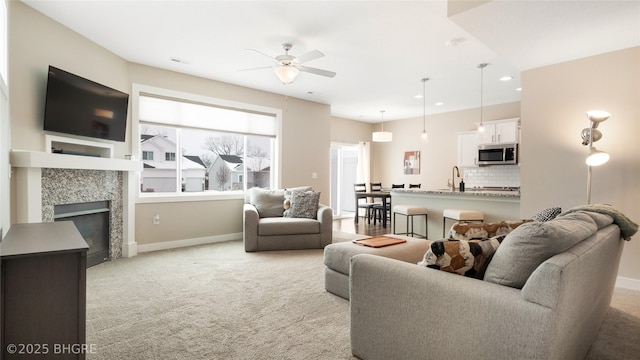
(207, 148)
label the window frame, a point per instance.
(140, 89)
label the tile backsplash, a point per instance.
(500, 175)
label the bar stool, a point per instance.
(460, 215)
(410, 211)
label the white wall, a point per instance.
(5, 126)
(439, 154)
(555, 100)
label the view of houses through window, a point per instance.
(185, 159)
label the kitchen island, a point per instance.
(496, 206)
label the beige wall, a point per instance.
(348, 131)
(305, 150)
(439, 154)
(554, 104)
(37, 41)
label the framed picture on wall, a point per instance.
(412, 162)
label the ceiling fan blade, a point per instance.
(257, 68)
(312, 55)
(261, 53)
(317, 71)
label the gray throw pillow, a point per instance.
(547, 214)
(533, 243)
(304, 204)
(267, 202)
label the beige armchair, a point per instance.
(266, 228)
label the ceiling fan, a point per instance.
(288, 67)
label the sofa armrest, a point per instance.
(250, 219)
(405, 311)
(325, 217)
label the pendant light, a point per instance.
(481, 126)
(425, 135)
(382, 136)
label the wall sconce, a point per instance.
(589, 136)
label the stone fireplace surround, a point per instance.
(45, 179)
(72, 186)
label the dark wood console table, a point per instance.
(43, 302)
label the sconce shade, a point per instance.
(597, 115)
(286, 73)
(597, 157)
(382, 136)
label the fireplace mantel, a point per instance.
(28, 168)
(39, 159)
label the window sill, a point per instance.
(149, 198)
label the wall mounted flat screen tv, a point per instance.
(78, 106)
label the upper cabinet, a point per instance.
(502, 131)
(468, 142)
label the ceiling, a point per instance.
(380, 50)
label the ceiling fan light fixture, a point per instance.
(286, 73)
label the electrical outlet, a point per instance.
(156, 219)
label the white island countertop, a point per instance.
(469, 192)
(495, 205)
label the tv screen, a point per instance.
(75, 105)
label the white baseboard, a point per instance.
(628, 283)
(187, 242)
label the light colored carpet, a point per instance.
(218, 302)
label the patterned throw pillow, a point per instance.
(287, 197)
(304, 204)
(468, 258)
(475, 230)
(547, 214)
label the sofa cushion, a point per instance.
(304, 204)
(287, 226)
(267, 202)
(468, 258)
(533, 243)
(547, 214)
(476, 230)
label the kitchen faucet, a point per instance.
(454, 170)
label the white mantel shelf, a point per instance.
(39, 159)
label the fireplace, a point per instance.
(91, 193)
(45, 180)
(92, 221)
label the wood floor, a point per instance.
(347, 225)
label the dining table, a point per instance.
(386, 201)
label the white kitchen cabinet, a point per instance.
(468, 142)
(503, 131)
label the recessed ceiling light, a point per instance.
(519, 89)
(419, 96)
(506, 78)
(439, 103)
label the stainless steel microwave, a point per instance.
(497, 154)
